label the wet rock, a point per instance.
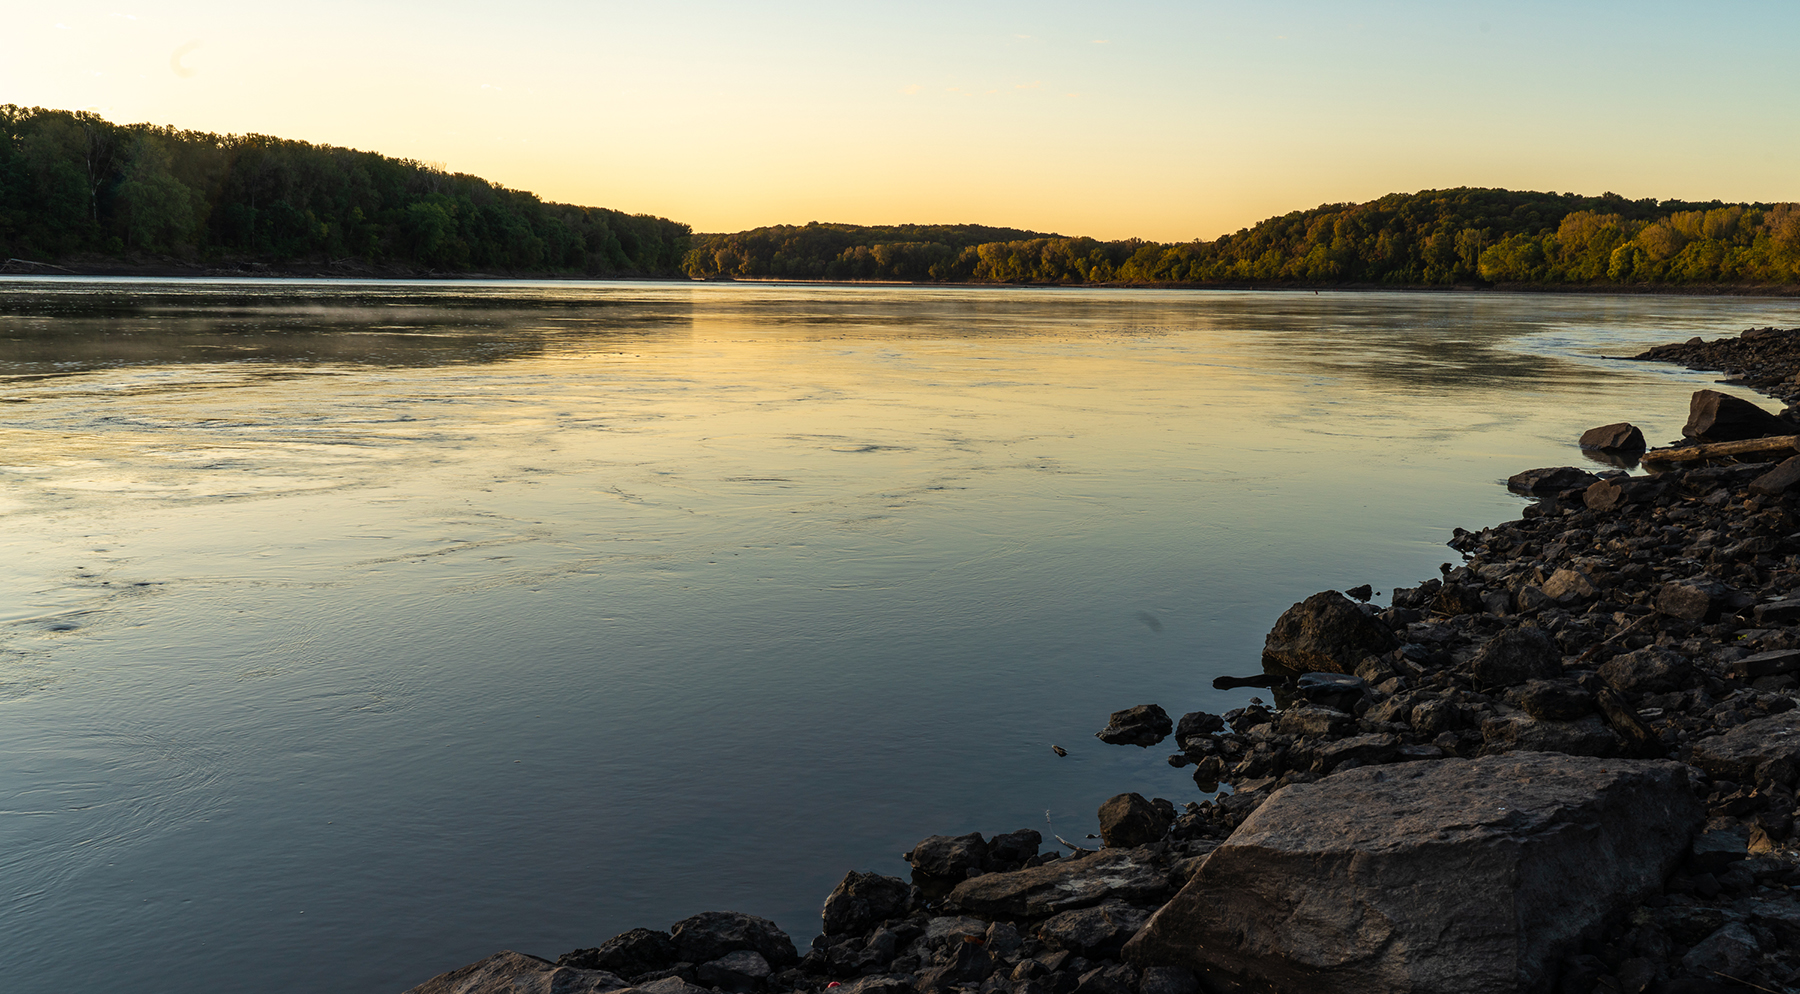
(949, 857)
(1587, 736)
(863, 900)
(1516, 656)
(1739, 753)
(739, 972)
(1720, 417)
(1325, 633)
(1552, 480)
(1621, 437)
(1010, 848)
(627, 954)
(1144, 725)
(1445, 876)
(1129, 875)
(1097, 932)
(712, 934)
(1556, 700)
(507, 972)
(1128, 820)
(1653, 669)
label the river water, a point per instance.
(355, 631)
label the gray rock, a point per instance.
(1144, 725)
(1128, 821)
(507, 972)
(1731, 951)
(1129, 875)
(1687, 601)
(1443, 877)
(969, 964)
(1650, 670)
(1515, 656)
(1737, 754)
(949, 857)
(1716, 849)
(712, 934)
(1374, 747)
(1772, 663)
(956, 927)
(863, 900)
(1314, 721)
(627, 954)
(1777, 480)
(1720, 417)
(1587, 736)
(1326, 633)
(740, 972)
(1781, 916)
(1168, 980)
(1097, 933)
(1003, 940)
(1621, 437)
(1778, 612)
(1550, 480)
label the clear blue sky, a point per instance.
(1161, 120)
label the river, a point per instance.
(354, 631)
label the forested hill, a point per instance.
(1403, 239)
(73, 185)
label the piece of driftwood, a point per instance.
(1719, 450)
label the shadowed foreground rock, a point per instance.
(1452, 876)
(508, 972)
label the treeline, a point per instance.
(1431, 237)
(74, 184)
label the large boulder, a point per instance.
(1129, 875)
(1448, 876)
(1128, 821)
(862, 900)
(711, 934)
(1327, 633)
(507, 972)
(1720, 417)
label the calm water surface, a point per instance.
(353, 632)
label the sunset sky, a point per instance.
(1159, 120)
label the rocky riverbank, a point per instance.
(1566, 764)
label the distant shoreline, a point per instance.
(340, 271)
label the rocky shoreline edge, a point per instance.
(1566, 765)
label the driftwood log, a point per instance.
(1720, 450)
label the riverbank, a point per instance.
(1625, 627)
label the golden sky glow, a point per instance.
(1158, 120)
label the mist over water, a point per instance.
(355, 631)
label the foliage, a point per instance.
(75, 183)
(1431, 237)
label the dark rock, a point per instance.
(1129, 875)
(1556, 700)
(1098, 932)
(1335, 690)
(1315, 721)
(1737, 754)
(949, 857)
(1719, 417)
(1650, 670)
(1639, 740)
(1732, 952)
(739, 972)
(711, 934)
(1588, 736)
(1360, 593)
(1197, 724)
(1433, 718)
(880, 983)
(1688, 601)
(1013, 847)
(1603, 495)
(508, 972)
(628, 954)
(1003, 940)
(1376, 747)
(1515, 656)
(1778, 480)
(1778, 612)
(1715, 849)
(1325, 633)
(969, 964)
(1144, 725)
(1113, 978)
(1445, 876)
(1621, 437)
(863, 900)
(1552, 480)
(1168, 980)
(1128, 820)
(1570, 586)
(1772, 663)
